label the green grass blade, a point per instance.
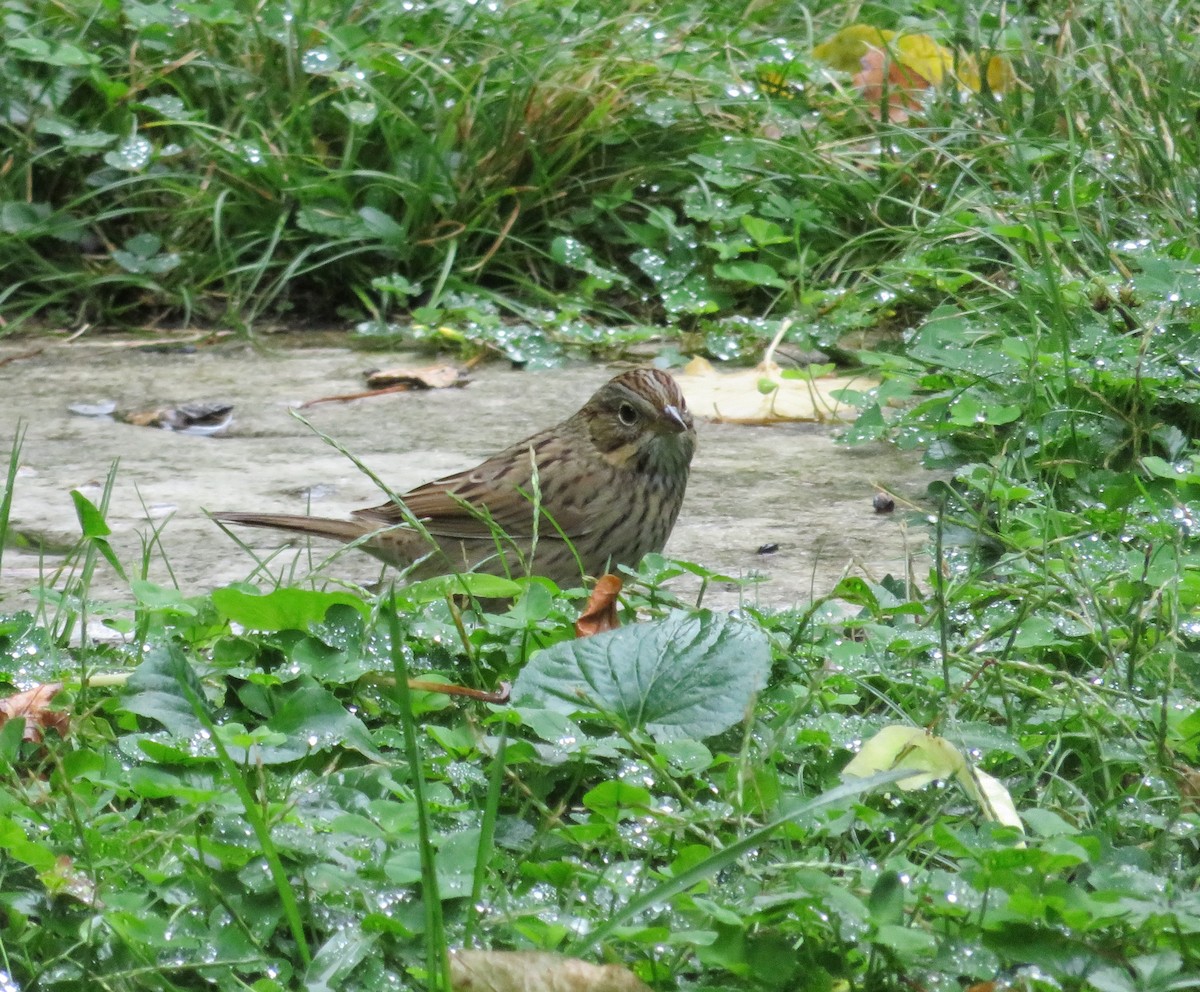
(437, 961)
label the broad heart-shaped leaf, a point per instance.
(164, 688)
(687, 675)
(312, 719)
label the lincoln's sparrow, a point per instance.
(607, 484)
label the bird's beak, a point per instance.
(674, 419)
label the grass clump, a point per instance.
(219, 164)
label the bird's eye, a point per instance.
(627, 414)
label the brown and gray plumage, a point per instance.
(610, 480)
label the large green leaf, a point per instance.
(312, 719)
(683, 676)
(165, 688)
(280, 609)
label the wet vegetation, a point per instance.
(245, 794)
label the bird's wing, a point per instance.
(459, 505)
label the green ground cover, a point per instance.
(246, 797)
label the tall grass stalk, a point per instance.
(10, 484)
(437, 962)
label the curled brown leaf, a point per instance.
(33, 705)
(600, 614)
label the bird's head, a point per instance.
(640, 420)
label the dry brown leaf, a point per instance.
(203, 419)
(384, 382)
(33, 704)
(536, 971)
(600, 614)
(762, 395)
(430, 377)
(903, 85)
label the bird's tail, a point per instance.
(337, 530)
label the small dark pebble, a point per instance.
(767, 549)
(883, 503)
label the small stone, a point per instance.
(103, 408)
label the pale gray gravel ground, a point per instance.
(751, 486)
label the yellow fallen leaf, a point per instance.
(1001, 77)
(845, 49)
(763, 394)
(921, 54)
(907, 747)
(918, 53)
(931, 759)
(995, 800)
